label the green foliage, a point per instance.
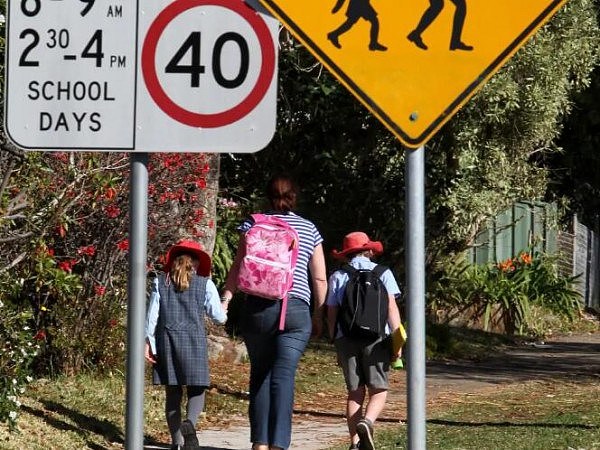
(493, 152)
(17, 352)
(505, 292)
(553, 414)
(229, 217)
(64, 216)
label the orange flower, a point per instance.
(110, 193)
(526, 258)
(507, 265)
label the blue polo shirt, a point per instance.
(338, 280)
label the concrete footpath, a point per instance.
(566, 357)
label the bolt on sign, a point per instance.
(415, 63)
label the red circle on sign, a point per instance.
(231, 115)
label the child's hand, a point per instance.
(148, 354)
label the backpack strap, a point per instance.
(348, 269)
(283, 312)
(257, 217)
(379, 270)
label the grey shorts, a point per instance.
(364, 364)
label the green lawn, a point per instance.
(532, 416)
(87, 412)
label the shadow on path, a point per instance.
(552, 360)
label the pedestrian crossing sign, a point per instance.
(413, 64)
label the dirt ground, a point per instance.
(566, 357)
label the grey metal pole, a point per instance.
(136, 311)
(415, 300)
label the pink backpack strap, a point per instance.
(283, 312)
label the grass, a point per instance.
(531, 416)
(87, 411)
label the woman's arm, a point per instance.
(318, 275)
(231, 282)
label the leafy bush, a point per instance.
(19, 348)
(229, 215)
(64, 218)
(507, 290)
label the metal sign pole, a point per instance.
(136, 311)
(415, 300)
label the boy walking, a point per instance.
(365, 361)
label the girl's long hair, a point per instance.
(181, 272)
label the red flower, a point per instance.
(123, 245)
(67, 265)
(40, 335)
(201, 183)
(89, 250)
(100, 290)
(198, 215)
(112, 323)
(110, 193)
(112, 211)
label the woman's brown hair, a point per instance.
(282, 193)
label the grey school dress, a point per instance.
(181, 352)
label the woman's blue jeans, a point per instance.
(274, 357)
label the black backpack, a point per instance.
(364, 309)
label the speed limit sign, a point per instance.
(183, 75)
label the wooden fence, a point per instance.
(526, 226)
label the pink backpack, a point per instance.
(267, 269)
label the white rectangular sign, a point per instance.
(158, 75)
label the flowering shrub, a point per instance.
(71, 243)
(18, 348)
(510, 288)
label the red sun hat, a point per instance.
(192, 248)
(356, 242)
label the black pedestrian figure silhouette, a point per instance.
(435, 7)
(357, 9)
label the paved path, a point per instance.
(567, 358)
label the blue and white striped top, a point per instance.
(309, 238)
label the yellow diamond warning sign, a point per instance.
(414, 63)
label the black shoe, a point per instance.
(334, 40)
(461, 46)
(415, 38)
(377, 46)
(354, 446)
(190, 439)
(364, 429)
